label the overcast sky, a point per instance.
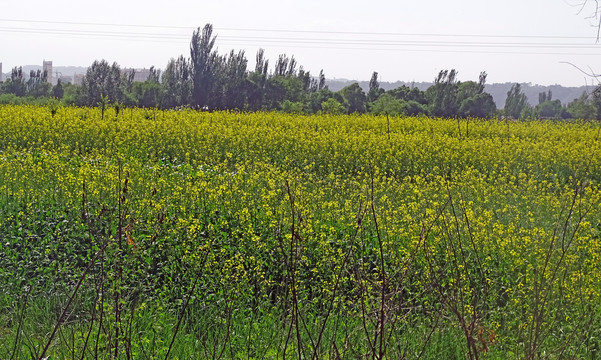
(512, 40)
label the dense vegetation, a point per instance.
(142, 233)
(211, 81)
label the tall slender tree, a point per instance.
(177, 83)
(202, 58)
(516, 101)
(374, 88)
(37, 85)
(234, 81)
(16, 83)
(102, 79)
(442, 95)
(256, 82)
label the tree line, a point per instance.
(207, 80)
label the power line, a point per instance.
(303, 31)
(404, 45)
(263, 40)
(95, 24)
(365, 42)
(44, 31)
(455, 51)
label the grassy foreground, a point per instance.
(150, 234)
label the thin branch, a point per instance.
(591, 74)
(66, 308)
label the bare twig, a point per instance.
(589, 74)
(190, 295)
(66, 308)
(595, 15)
(15, 355)
(360, 215)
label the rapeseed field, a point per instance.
(184, 234)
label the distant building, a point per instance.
(78, 79)
(65, 79)
(47, 67)
(1, 74)
(140, 75)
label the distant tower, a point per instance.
(47, 67)
(1, 75)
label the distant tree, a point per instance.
(406, 93)
(354, 98)
(262, 64)
(177, 83)
(468, 89)
(72, 94)
(286, 83)
(544, 96)
(127, 80)
(387, 104)
(147, 94)
(234, 83)
(256, 82)
(102, 79)
(316, 99)
(37, 85)
(309, 84)
(322, 81)
(16, 83)
(217, 82)
(414, 108)
(442, 96)
(285, 66)
(154, 75)
(332, 107)
(516, 101)
(583, 108)
(279, 88)
(473, 101)
(550, 109)
(57, 91)
(480, 106)
(375, 91)
(202, 59)
(292, 107)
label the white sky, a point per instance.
(512, 40)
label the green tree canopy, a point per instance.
(473, 101)
(354, 98)
(375, 91)
(387, 104)
(516, 102)
(37, 85)
(409, 94)
(202, 62)
(332, 106)
(442, 96)
(551, 109)
(58, 91)
(480, 106)
(583, 108)
(102, 79)
(177, 83)
(16, 83)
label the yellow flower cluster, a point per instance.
(500, 219)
